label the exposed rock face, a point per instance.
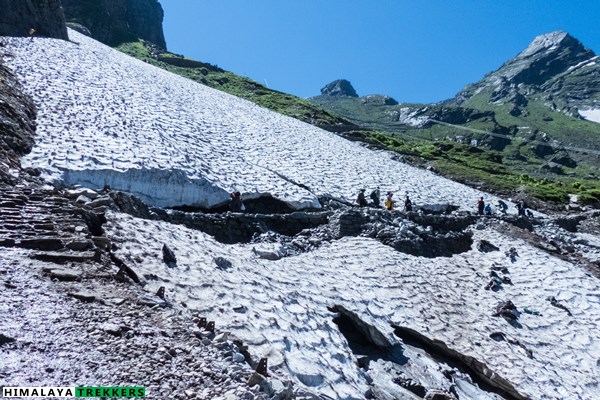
(17, 123)
(117, 21)
(379, 99)
(339, 88)
(45, 16)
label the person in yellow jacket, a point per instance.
(389, 202)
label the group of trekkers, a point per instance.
(375, 196)
(484, 208)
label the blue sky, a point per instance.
(415, 51)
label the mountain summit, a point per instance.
(339, 88)
(555, 66)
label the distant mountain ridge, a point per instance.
(555, 67)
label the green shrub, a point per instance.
(590, 196)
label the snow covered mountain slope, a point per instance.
(106, 118)
(280, 308)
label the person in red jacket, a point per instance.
(480, 206)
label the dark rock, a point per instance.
(116, 21)
(557, 304)
(7, 242)
(44, 16)
(65, 257)
(222, 263)
(17, 120)
(102, 201)
(79, 28)
(552, 167)
(570, 223)
(485, 247)
(168, 256)
(563, 158)
(339, 88)
(411, 386)
(151, 301)
(83, 296)
(94, 221)
(256, 379)
(507, 310)
(64, 275)
(6, 339)
(130, 204)
(42, 243)
(79, 245)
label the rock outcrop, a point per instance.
(17, 123)
(116, 21)
(45, 17)
(339, 88)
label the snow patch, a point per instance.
(591, 115)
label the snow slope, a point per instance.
(280, 307)
(105, 117)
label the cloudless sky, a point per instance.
(418, 51)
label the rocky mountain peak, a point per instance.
(547, 41)
(339, 88)
(546, 57)
(554, 64)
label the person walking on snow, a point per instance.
(502, 206)
(236, 204)
(480, 206)
(487, 210)
(361, 200)
(389, 203)
(376, 196)
(407, 204)
(521, 207)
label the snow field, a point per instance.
(280, 307)
(104, 117)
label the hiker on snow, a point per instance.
(407, 204)
(361, 200)
(502, 206)
(389, 203)
(480, 206)
(236, 204)
(376, 196)
(487, 210)
(521, 207)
